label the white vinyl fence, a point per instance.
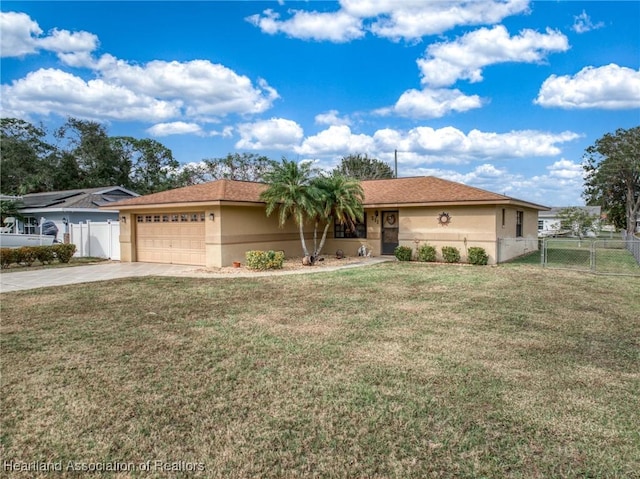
(97, 239)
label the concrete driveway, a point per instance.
(41, 278)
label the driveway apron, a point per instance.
(42, 278)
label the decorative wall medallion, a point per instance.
(444, 218)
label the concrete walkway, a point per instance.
(42, 278)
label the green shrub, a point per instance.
(451, 254)
(426, 253)
(262, 260)
(26, 255)
(8, 256)
(478, 255)
(64, 252)
(403, 253)
(44, 254)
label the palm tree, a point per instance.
(293, 193)
(341, 201)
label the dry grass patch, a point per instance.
(395, 370)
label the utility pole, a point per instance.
(395, 156)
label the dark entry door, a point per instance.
(390, 228)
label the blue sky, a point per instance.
(502, 95)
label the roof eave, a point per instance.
(506, 201)
(182, 204)
(67, 210)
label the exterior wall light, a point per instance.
(212, 216)
(123, 219)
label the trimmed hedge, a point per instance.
(27, 254)
(477, 255)
(403, 253)
(450, 254)
(263, 260)
(44, 254)
(8, 256)
(426, 253)
(30, 254)
(64, 252)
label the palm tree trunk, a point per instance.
(315, 238)
(324, 238)
(304, 244)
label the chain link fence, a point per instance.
(603, 256)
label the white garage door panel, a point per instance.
(177, 242)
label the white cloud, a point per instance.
(582, 23)
(412, 20)
(64, 41)
(337, 27)
(21, 36)
(431, 103)
(564, 189)
(204, 88)
(424, 145)
(155, 91)
(409, 19)
(567, 170)
(331, 117)
(47, 91)
(447, 62)
(450, 145)
(276, 134)
(337, 140)
(227, 132)
(175, 128)
(609, 87)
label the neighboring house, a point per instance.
(549, 223)
(213, 224)
(68, 207)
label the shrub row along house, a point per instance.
(214, 224)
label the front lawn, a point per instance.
(395, 370)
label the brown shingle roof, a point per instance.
(397, 191)
(220, 190)
(424, 189)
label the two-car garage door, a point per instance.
(176, 238)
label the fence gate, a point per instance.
(97, 239)
(604, 256)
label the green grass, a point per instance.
(611, 257)
(396, 370)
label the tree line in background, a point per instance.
(81, 154)
(612, 179)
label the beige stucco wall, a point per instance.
(127, 238)
(238, 228)
(246, 228)
(508, 228)
(469, 226)
(509, 245)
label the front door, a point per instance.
(390, 227)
